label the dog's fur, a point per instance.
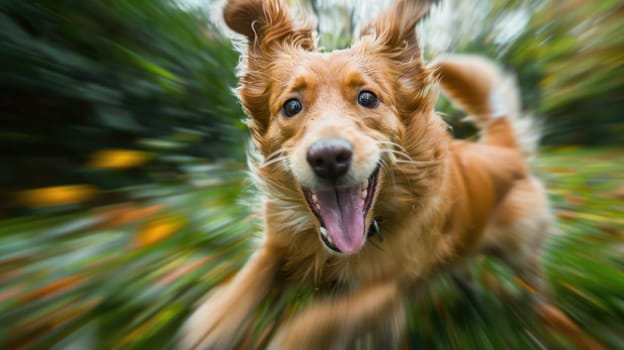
(437, 202)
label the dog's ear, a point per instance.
(269, 30)
(396, 26)
(266, 23)
(393, 36)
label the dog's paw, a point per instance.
(217, 324)
(304, 334)
(287, 338)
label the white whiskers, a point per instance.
(275, 157)
(401, 155)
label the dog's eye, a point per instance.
(291, 108)
(368, 99)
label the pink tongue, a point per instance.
(342, 211)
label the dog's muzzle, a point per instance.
(340, 206)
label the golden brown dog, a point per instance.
(362, 186)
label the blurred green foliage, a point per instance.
(123, 196)
(568, 57)
(82, 76)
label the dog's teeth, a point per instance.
(364, 190)
(315, 201)
(324, 231)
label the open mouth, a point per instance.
(342, 213)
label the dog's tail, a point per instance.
(491, 97)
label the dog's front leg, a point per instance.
(220, 320)
(371, 317)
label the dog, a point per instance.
(364, 190)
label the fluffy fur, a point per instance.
(438, 201)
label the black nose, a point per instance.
(330, 158)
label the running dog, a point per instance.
(364, 191)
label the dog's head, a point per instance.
(334, 119)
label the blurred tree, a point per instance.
(81, 77)
(579, 47)
(568, 57)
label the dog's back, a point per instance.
(506, 205)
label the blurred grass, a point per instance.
(122, 275)
(127, 275)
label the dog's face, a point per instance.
(332, 119)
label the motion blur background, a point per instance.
(123, 193)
